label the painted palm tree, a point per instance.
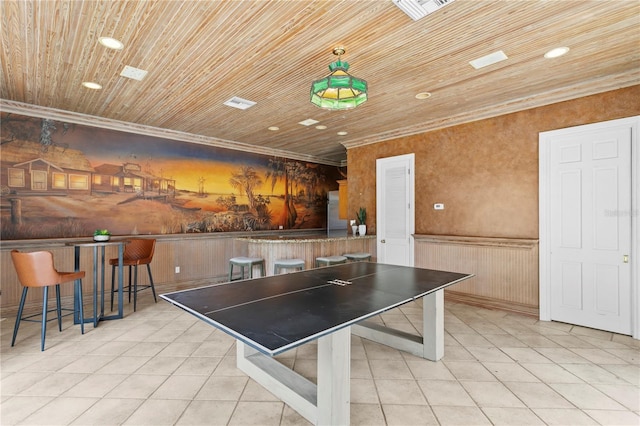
(281, 170)
(247, 180)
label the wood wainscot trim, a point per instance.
(506, 269)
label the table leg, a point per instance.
(334, 378)
(429, 346)
(102, 266)
(328, 402)
(121, 281)
(433, 322)
(120, 313)
(95, 286)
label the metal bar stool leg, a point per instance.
(19, 317)
(135, 288)
(113, 279)
(130, 284)
(153, 289)
(43, 332)
(58, 308)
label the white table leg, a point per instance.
(433, 323)
(334, 378)
(328, 402)
(429, 346)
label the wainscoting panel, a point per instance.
(202, 259)
(506, 270)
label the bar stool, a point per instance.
(245, 262)
(357, 257)
(294, 264)
(330, 260)
(139, 251)
(36, 269)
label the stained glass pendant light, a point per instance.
(339, 90)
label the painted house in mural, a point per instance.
(129, 177)
(30, 168)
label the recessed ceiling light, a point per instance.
(91, 85)
(321, 127)
(423, 95)
(554, 53)
(111, 43)
(489, 59)
(309, 122)
(239, 103)
(274, 128)
(342, 133)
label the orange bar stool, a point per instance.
(139, 251)
(36, 269)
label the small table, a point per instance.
(96, 244)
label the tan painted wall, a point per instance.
(485, 172)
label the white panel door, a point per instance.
(395, 210)
(590, 228)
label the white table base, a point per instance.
(430, 346)
(328, 402)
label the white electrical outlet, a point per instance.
(177, 269)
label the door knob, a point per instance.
(625, 258)
(382, 241)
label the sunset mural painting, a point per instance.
(66, 180)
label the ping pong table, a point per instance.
(270, 315)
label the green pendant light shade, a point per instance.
(339, 90)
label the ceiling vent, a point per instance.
(417, 9)
(308, 122)
(133, 73)
(239, 103)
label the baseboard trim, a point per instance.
(490, 303)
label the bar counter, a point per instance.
(274, 247)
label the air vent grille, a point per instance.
(133, 73)
(417, 9)
(239, 103)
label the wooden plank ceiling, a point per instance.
(199, 54)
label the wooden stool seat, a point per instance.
(287, 264)
(245, 262)
(330, 260)
(357, 257)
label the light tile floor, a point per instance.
(161, 366)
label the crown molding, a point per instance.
(582, 89)
(30, 110)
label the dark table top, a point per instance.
(277, 313)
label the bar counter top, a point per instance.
(307, 247)
(282, 239)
